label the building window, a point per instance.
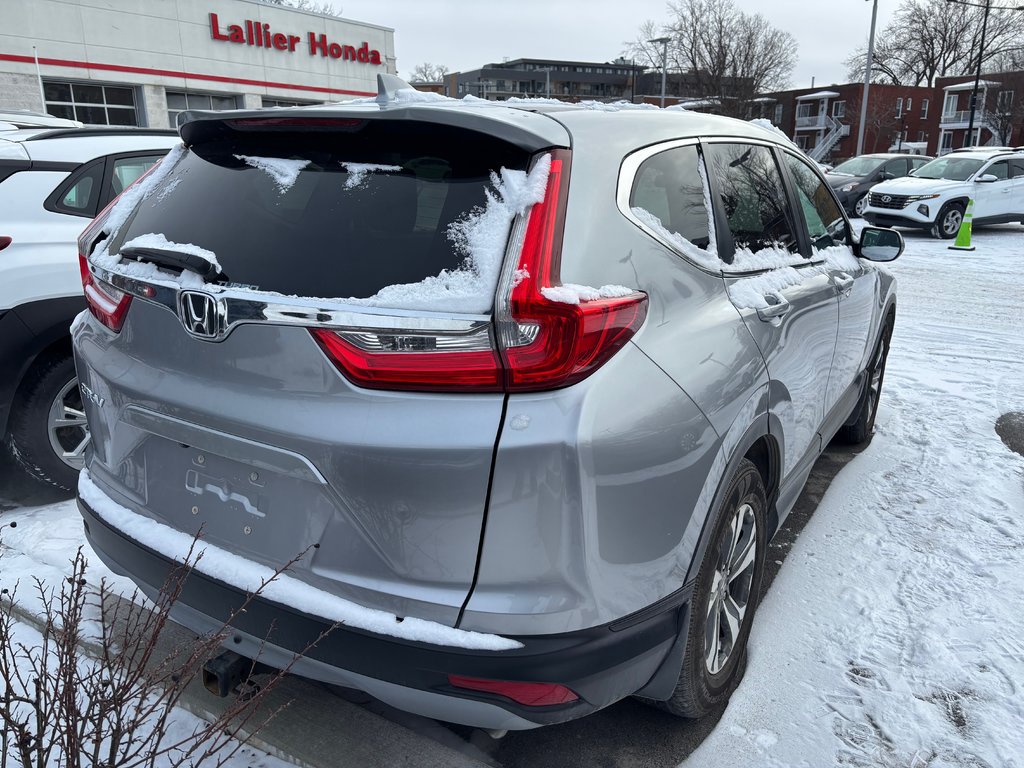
(179, 101)
(899, 107)
(92, 103)
(909, 104)
(803, 109)
(285, 103)
(950, 106)
(1004, 102)
(778, 114)
(839, 109)
(946, 143)
(922, 136)
(924, 109)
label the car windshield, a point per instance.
(952, 168)
(858, 166)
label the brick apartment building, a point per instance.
(896, 115)
(999, 115)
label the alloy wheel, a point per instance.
(951, 221)
(861, 204)
(730, 589)
(66, 426)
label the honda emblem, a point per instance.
(199, 314)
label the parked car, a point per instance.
(52, 182)
(853, 179)
(515, 397)
(12, 119)
(935, 198)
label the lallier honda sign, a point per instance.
(261, 35)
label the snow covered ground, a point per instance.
(894, 633)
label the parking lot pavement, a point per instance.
(329, 726)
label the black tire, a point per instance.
(700, 689)
(949, 215)
(28, 437)
(860, 429)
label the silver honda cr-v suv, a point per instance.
(521, 391)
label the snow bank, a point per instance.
(570, 293)
(283, 589)
(284, 172)
(159, 241)
(358, 173)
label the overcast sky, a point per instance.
(465, 34)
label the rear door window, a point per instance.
(749, 186)
(329, 213)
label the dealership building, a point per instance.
(141, 62)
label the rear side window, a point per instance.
(81, 198)
(669, 187)
(328, 213)
(753, 197)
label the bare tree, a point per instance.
(96, 688)
(881, 122)
(323, 7)
(1001, 117)
(428, 73)
(927, 39)
(724, 53)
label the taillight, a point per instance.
(542, 342)
(107, 303)
(546, 343)
(528, 694)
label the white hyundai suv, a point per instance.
(935, 196)
(52, 183)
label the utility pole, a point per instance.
(664, 63)
(867, 80)
(977, 78)
(969, 142)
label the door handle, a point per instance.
(777, 307)
(844, 283)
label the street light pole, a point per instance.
(664, 63)
(867, 80)
(977, 78)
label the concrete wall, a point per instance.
(159, 44)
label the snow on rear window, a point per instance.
(358, 173)
(480, 236)
(284, 172)
(135, 194)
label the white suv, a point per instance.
(935, 196)
(52, 182)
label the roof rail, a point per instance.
(62, 133)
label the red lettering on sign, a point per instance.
(259, 34)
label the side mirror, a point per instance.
(987, 178)
(879, 244)
(888, 175)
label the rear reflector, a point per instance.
(541, 343)
(527, 694)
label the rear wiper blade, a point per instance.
(178, 260)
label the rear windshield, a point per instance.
(327, 213)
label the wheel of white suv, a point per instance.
(948, 222)
(860, 205)
(725, 596)
(48, 431)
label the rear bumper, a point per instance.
(601, 664)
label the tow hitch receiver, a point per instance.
(227, 672)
